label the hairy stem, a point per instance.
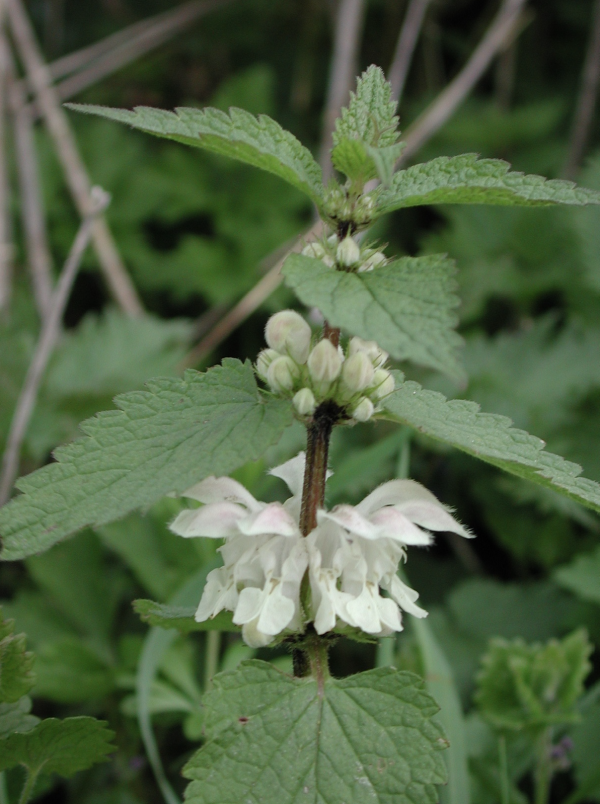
(315, 473)
(30, 781)
(543, 768)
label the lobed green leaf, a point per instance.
(258, 141)
(366, 738)
(489, 437)
(161, 440)
(406, 306)
(466, 179)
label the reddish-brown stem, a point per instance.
(315, 473)
(331, 334)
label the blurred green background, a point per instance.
(194, 231)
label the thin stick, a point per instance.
(348, 27)
(6, 249)
(114, 271)
(588, 96)
(45, 346)
(407, 41)
(503, 28)
(34, 224)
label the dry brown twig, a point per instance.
(504, 27)
(588, 97)
(32, 212)
(114, 271)
(45, 345)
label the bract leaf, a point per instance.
(366, 738)
(489, 437)
(161, 440)
(406, 306)
(533, 686)
(16, 663)
(181, 618)
(466, 179)
(370, 116)
(259, 141)
(58, 746)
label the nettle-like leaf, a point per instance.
(371, 114)
(58, 746)
(467, 179)
(273, 738)
(161, 440)
(181, 618)
(406, 306)
(489, 437)
(15, 717)
(259, 141)
(533, 686)
(16, 663)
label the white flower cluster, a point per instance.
(346, 254)
(292, 367)
(351, 556)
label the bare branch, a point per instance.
(588, 96)
(45, 346)
(34, 226)
(6, 247)
(348, 28)
(66, 147)
(499, 34)
(407, 41)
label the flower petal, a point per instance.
(405, 597)
(276, 613)
(433, 516)
(392, 524)
(219, 593)
(292, 473)
(249, 605)
(215, 521)
(352, 520)
(364, 612)
(395, 492)
(389, 614)
(222, 489)
(253, 637)
(273, 519)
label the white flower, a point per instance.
(351, 556)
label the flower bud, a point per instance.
(304, 402)
(264, 360)
(374, 261)
(314, 250)
(288, 333)
(357, 372)
(282, 374)
(348, 252)
(324, 362)
(376, 355)
(364, 410)
(383, 384)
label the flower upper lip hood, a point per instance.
(351, 555)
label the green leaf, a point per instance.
(586, 738)
(366, 738)
(259, 141)
(59, 746)
(489, 437)
(362, 162)
(370, 116)
(161, 440)
(407, 306)
(181, 618)
(71, 671)
(533, 686)
(466, 179)
(15, 717)
(582, 576)
(16, 663)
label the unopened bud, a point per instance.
(324, 362)
(264, 360)
(282, 374)
(288, 333)
(374, 261)
(314, 250)
(357, 372)
(376, 355)
(304, 402)
(364, 410)
(383, 384)
(348, 252)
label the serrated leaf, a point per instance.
(16, 663)
(366, 738)
(350, 157)
(259, 141)
(466, 179)
(160, 440)
(406, 306)
(489, 437)
(533, 686)
(59, 746)
(385, 160)
(582, 576)
(180, 617)
(15, 717)
(370, 116)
